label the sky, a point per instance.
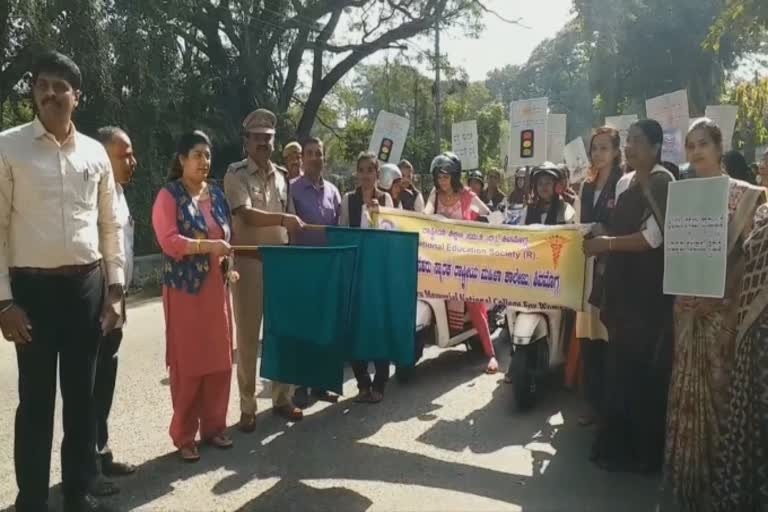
(502, 43)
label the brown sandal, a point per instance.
(189, 453)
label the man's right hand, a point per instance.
(15, 325)
(292, 223)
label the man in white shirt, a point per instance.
(58, 222)
(120, 152)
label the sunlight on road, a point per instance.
(454, 433)
(387, 497)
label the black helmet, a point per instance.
(476, 175)
(546, 169)
(446, 163)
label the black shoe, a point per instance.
(301, 398)
(112, 468)
(101, 487)
(324, 396)
(31, 507)
(85, 503)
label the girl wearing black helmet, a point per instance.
(451, 199)
(476, 183)
(548, 206)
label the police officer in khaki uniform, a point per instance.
(257, 191)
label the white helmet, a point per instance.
(388, 174)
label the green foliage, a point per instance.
(743, 21)
(752, 122)
(355, 138)
(161, 67)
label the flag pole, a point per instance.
(255, 248)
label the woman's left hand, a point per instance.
(596, 245)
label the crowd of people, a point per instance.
(678, 384)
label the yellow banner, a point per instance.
(524, 266)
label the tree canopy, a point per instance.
(160, 67)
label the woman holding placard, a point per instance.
(705, 333)
(634, 310)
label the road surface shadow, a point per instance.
(287, 496)
(331, 444)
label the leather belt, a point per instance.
(65, 270)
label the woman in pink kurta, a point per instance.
(452, 200)
(192, 224)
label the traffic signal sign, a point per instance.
(385, 150)
(526, 144)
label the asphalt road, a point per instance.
(448, 441)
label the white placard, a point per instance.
(464, 144)
(696, 237)
(576, 159)
(621, 123)
(389, 136)
(671, 111)
(725, 116)
(556, 128)
(528, 117)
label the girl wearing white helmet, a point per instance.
(356, 205)
(390, 179)
(451, 199)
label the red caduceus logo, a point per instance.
(556, 244)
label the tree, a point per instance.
(502, 82)
(751, 96)
(558, 68)
(643, 48)
(258, 50)
(746, 21)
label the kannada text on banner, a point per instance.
(532, 267)
(696, 237)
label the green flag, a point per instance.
(307, 293)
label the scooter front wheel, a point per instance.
(523, 380)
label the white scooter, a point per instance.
(537, 334)
(432, 329)
(538, 337)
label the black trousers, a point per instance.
(65, 315)
(360, 369)
(104, 388)
(637, 373)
